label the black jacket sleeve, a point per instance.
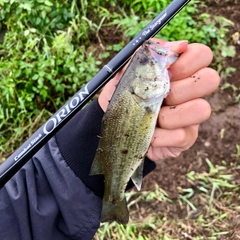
(53, 196)
(46, 200)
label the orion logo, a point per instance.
(65, 110)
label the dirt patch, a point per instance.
(219, 135)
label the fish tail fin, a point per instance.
(115, 212)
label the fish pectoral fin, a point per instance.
(138, 176)
(96, 167)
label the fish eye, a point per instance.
(143, 59)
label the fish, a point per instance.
(128, 126)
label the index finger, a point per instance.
(196, 56)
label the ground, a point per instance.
(218, 136)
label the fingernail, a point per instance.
(168, 44)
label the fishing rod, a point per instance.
(15, 161)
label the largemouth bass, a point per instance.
(128, 126)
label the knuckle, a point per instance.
(175, 154)
(214, 78)
(186, 137)
(203, 108)
(203, 50)
(206, 112)
(181, 137)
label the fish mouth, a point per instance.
(161, 53)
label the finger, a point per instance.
(167, 43)
(182, 138)
(109, 89)
(188, 113)
(200, 84)
(175, 46)
(196, 57)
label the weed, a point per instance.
(237, 155)
(215, 180)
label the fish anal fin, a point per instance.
(138, 176)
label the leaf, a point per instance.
(26, 6)
(21, 102)
(44, 94)
(38, 20)
(43, 14)
(48, 3)
(228, 51)
(26, 32)
(35, 77)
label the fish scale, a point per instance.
(128, 126)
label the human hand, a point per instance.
(183, 109)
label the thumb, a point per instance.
(177, 46)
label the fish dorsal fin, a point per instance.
(138, 176)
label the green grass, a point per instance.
(25, 125)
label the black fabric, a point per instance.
(78, 143)
(46, 200)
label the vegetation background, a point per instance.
(50, 48)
